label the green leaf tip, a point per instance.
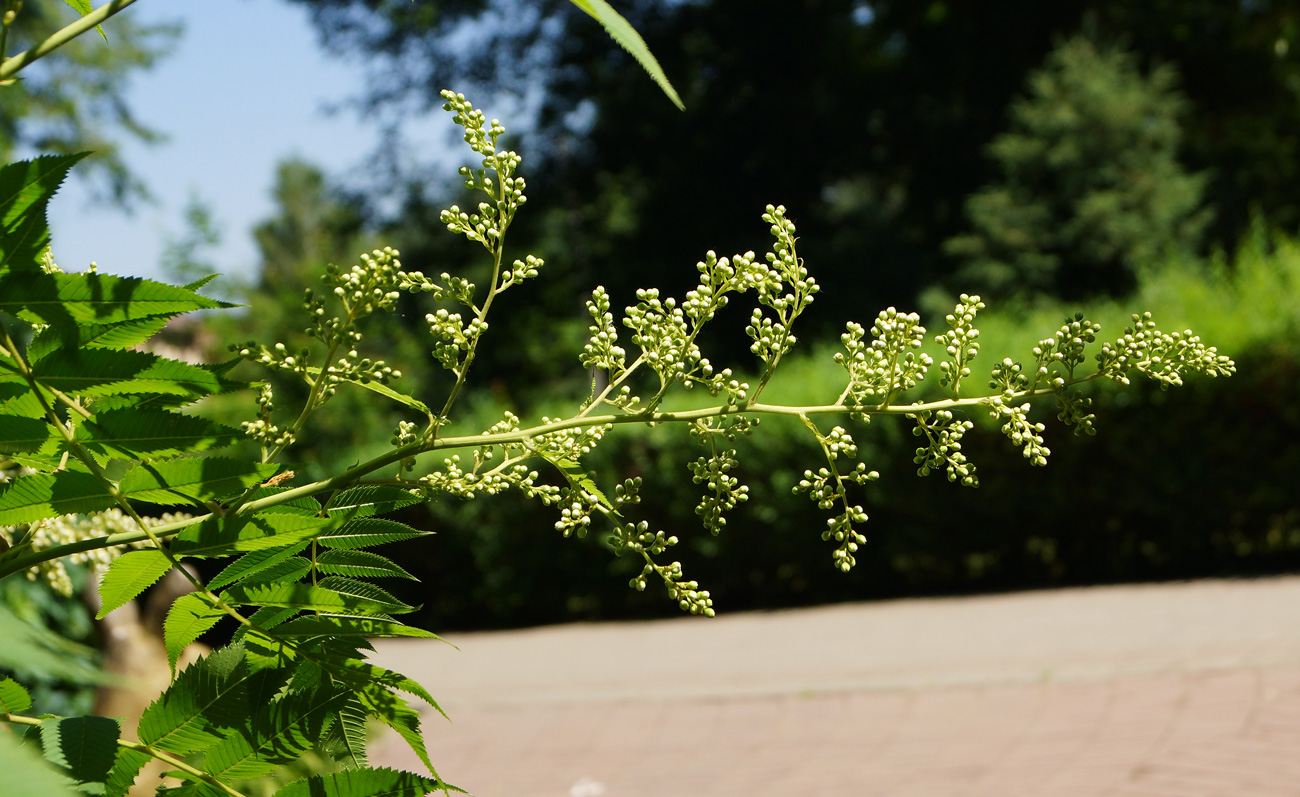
(621, 31)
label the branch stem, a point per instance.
(11, 66)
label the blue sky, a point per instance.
(244, 89)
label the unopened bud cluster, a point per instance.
(960, 343)
(1022, 433)
(888, 365)
(724, 490)
(943, 434)
(68, 529)
(1162, 356)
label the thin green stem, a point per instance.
(11, 66)
(517, 437)
(18, 719)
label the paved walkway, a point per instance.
(1174, 690)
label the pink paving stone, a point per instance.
(938, 697)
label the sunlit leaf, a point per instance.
(364, 783)
(622, 32)
(130, 574)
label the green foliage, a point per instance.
(77, 101)
(1090, 189)
(295, 681)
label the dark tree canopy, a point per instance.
(77, 101)
(869, 120)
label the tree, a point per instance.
(1090, 188)
(77, 102)
(101, 437)
(890, 106)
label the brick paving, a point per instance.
(1173, 690)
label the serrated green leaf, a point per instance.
(224, 536)
(280, 733)
(130, 574)
(622, 32)
(25, 773)
(264, 619)
(253, 562)
(350, 736)
(386, 391)
(366, 590)
(120, 335)
(42, 495)
(126, 767)
(14, 698)
(356, 672)
(365, 783)
(188, 618)
(309, 597)
(368, 532)
(23, 435)
(397, 714)
(16, 398)
(150, 432)
(217, 693)
(25, 189)
(83, 7)
(370, 499)
(111, 372)
(83, 747)
(289, 570)
(67, 300)
(359, 564)
(192, 480)
(366, 627)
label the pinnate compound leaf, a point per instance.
(359, 564)
(379, 782)
(356, 672)
(25, 773)
(208, 698)
(66, 300)
(129, 575)
(14, 698)
(83, 747)
(397, 714)
(309, 597)
(622, 32)
(112, 372)
(218, 536)
(279, 733)
(253, 562)
(25, 189)
(192, 480)
(188, 618)
(366, 591)
(152, 432)
(45, 495)
(119, 335)
(370, 499)
(369, 531)
(332, 626)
